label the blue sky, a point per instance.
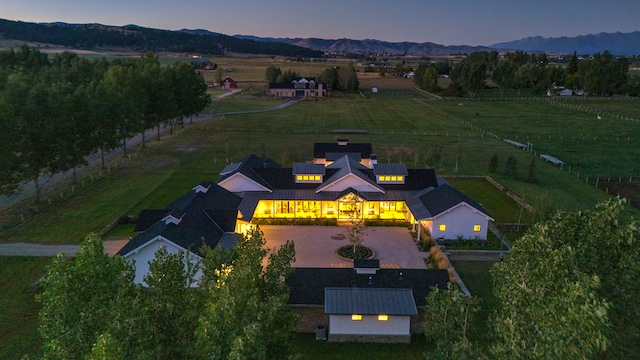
(448, 22)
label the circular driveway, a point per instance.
(316, 245)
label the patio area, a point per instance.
(316, 245)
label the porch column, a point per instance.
(419, 230)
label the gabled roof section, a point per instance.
(445, 197)
(390, 169)
(246, 166)
(148, 217)
(320, 150)
(345, 160)
(308, 169)
(308, 284)
(349, 168)
(205, 218)
(344, 301)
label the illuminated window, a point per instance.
(387, 178)
(400, 178)
(394, 178)
(299, 177)
(356, 317)
(383, 317)
(476, 228)
(316, 178)
(443, 227)
(305, 178)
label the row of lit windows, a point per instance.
(358, 317)
(476, 227)
(308, 177)
(398, 178)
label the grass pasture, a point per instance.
(19, 319)
(402, 124)
(400, 128)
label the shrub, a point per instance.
(362, 252)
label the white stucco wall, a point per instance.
(460, 220)
(147, 253)
(240, 183)
(369, 325)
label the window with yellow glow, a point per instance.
(442, 227)
(476, 228)
(383, 317)
(356, 317)
(400, 178)
(316, 178)
(299, 177)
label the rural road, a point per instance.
(111, 247)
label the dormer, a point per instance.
(200, 188)
(392, 174)
(308, 173)
(174, 217)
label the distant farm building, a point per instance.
(229, 83)
(301, 87)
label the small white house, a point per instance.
(369, 314)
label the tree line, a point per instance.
(567, 290)
(137, 38)
(91, 309)
(342, 78)
(600, 75)
(56, 111)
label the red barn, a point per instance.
(229, 83)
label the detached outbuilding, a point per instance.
(369, 314)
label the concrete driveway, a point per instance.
(316, 245)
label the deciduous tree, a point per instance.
(246, 315)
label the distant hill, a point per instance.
(617, 43)
(372, 46)
(137, 38)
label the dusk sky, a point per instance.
(448, 22)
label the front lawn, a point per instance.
(18, 308)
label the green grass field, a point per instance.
(18, 309)
(401, 123)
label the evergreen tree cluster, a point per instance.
(54, 112)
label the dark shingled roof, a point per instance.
(148, 217)
(307, 284)
(444, 198)
(320, 150)
(247, 167)
(205, 218)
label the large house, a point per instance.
(342, 181)
(301, 87)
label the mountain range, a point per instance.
(617, 43)
(90, 36)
